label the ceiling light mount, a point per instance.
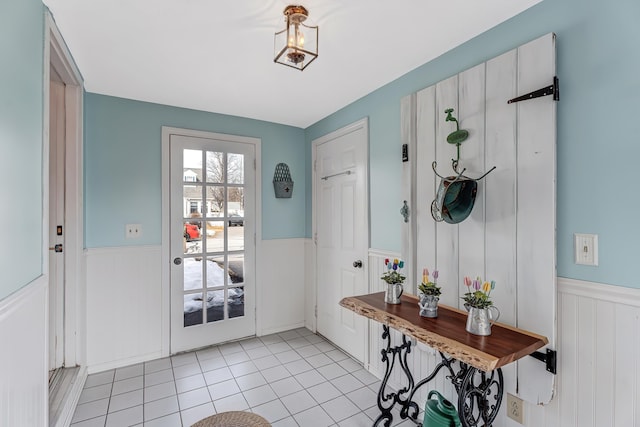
(296, 46)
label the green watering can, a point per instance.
(439, 412)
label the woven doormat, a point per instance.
(233, 419)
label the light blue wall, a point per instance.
(21, 97)
(123, 168)
(598, 131)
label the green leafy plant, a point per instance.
(479, 293)
(393, 275)
(428, 287)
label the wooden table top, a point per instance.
(447, 333)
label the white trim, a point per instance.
(66, 416)
(600, 291)
(12, 302)
(120, 363)
(167, 131)
(58, 56)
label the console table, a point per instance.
(477, 377)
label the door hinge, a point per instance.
(552, 89)
(254, 164)
(316, 311)
(315, 238)
(315, 165)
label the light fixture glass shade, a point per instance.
(296, 46)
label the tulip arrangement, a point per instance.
(393, 274)
(478, 292)
(428, 287)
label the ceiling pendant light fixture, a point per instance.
(297, 45)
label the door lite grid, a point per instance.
(213, 238)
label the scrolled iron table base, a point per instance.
(479, 393)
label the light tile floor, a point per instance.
(294, 378)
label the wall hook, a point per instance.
(404, 211)
(456, 138)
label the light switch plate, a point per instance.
(586, 249)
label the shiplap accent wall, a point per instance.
(598, 380)
(509, 236)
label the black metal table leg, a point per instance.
(386, 401)
(479, 393)
(479, 396)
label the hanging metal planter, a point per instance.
(282, 182)
(456, 194)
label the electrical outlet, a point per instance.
(133, 231)
(514, 408)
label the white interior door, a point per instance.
(342, 233)
(212, 240)
(56, 220)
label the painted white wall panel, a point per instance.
(280, 281)
(124, 306)
(509, 236)
(23, 358)
(309, 285)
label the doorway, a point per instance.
(341, 230)
(63, 223)
(212, 216)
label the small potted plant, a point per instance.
(429, 294)
(394, 279)
(478, 303)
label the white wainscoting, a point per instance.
(280, 284)
(309, 285)
(598, 381)
(124, 306)
(124, 299)
(24, 356)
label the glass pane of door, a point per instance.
(213, 210)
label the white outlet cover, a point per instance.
(586, 249)
(133, 231)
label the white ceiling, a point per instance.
(217, 55)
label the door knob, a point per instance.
(177, 261)
(357, 264)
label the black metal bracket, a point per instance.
(549, 358)
(553, 89)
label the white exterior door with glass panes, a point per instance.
(212, 240)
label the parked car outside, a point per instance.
(235, 219)
(191, 232)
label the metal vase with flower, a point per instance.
(482, 313)
(394, 279)
(429, 294)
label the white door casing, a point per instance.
(70, 292)
(212, 238)
(56, 220)
(341, 230)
